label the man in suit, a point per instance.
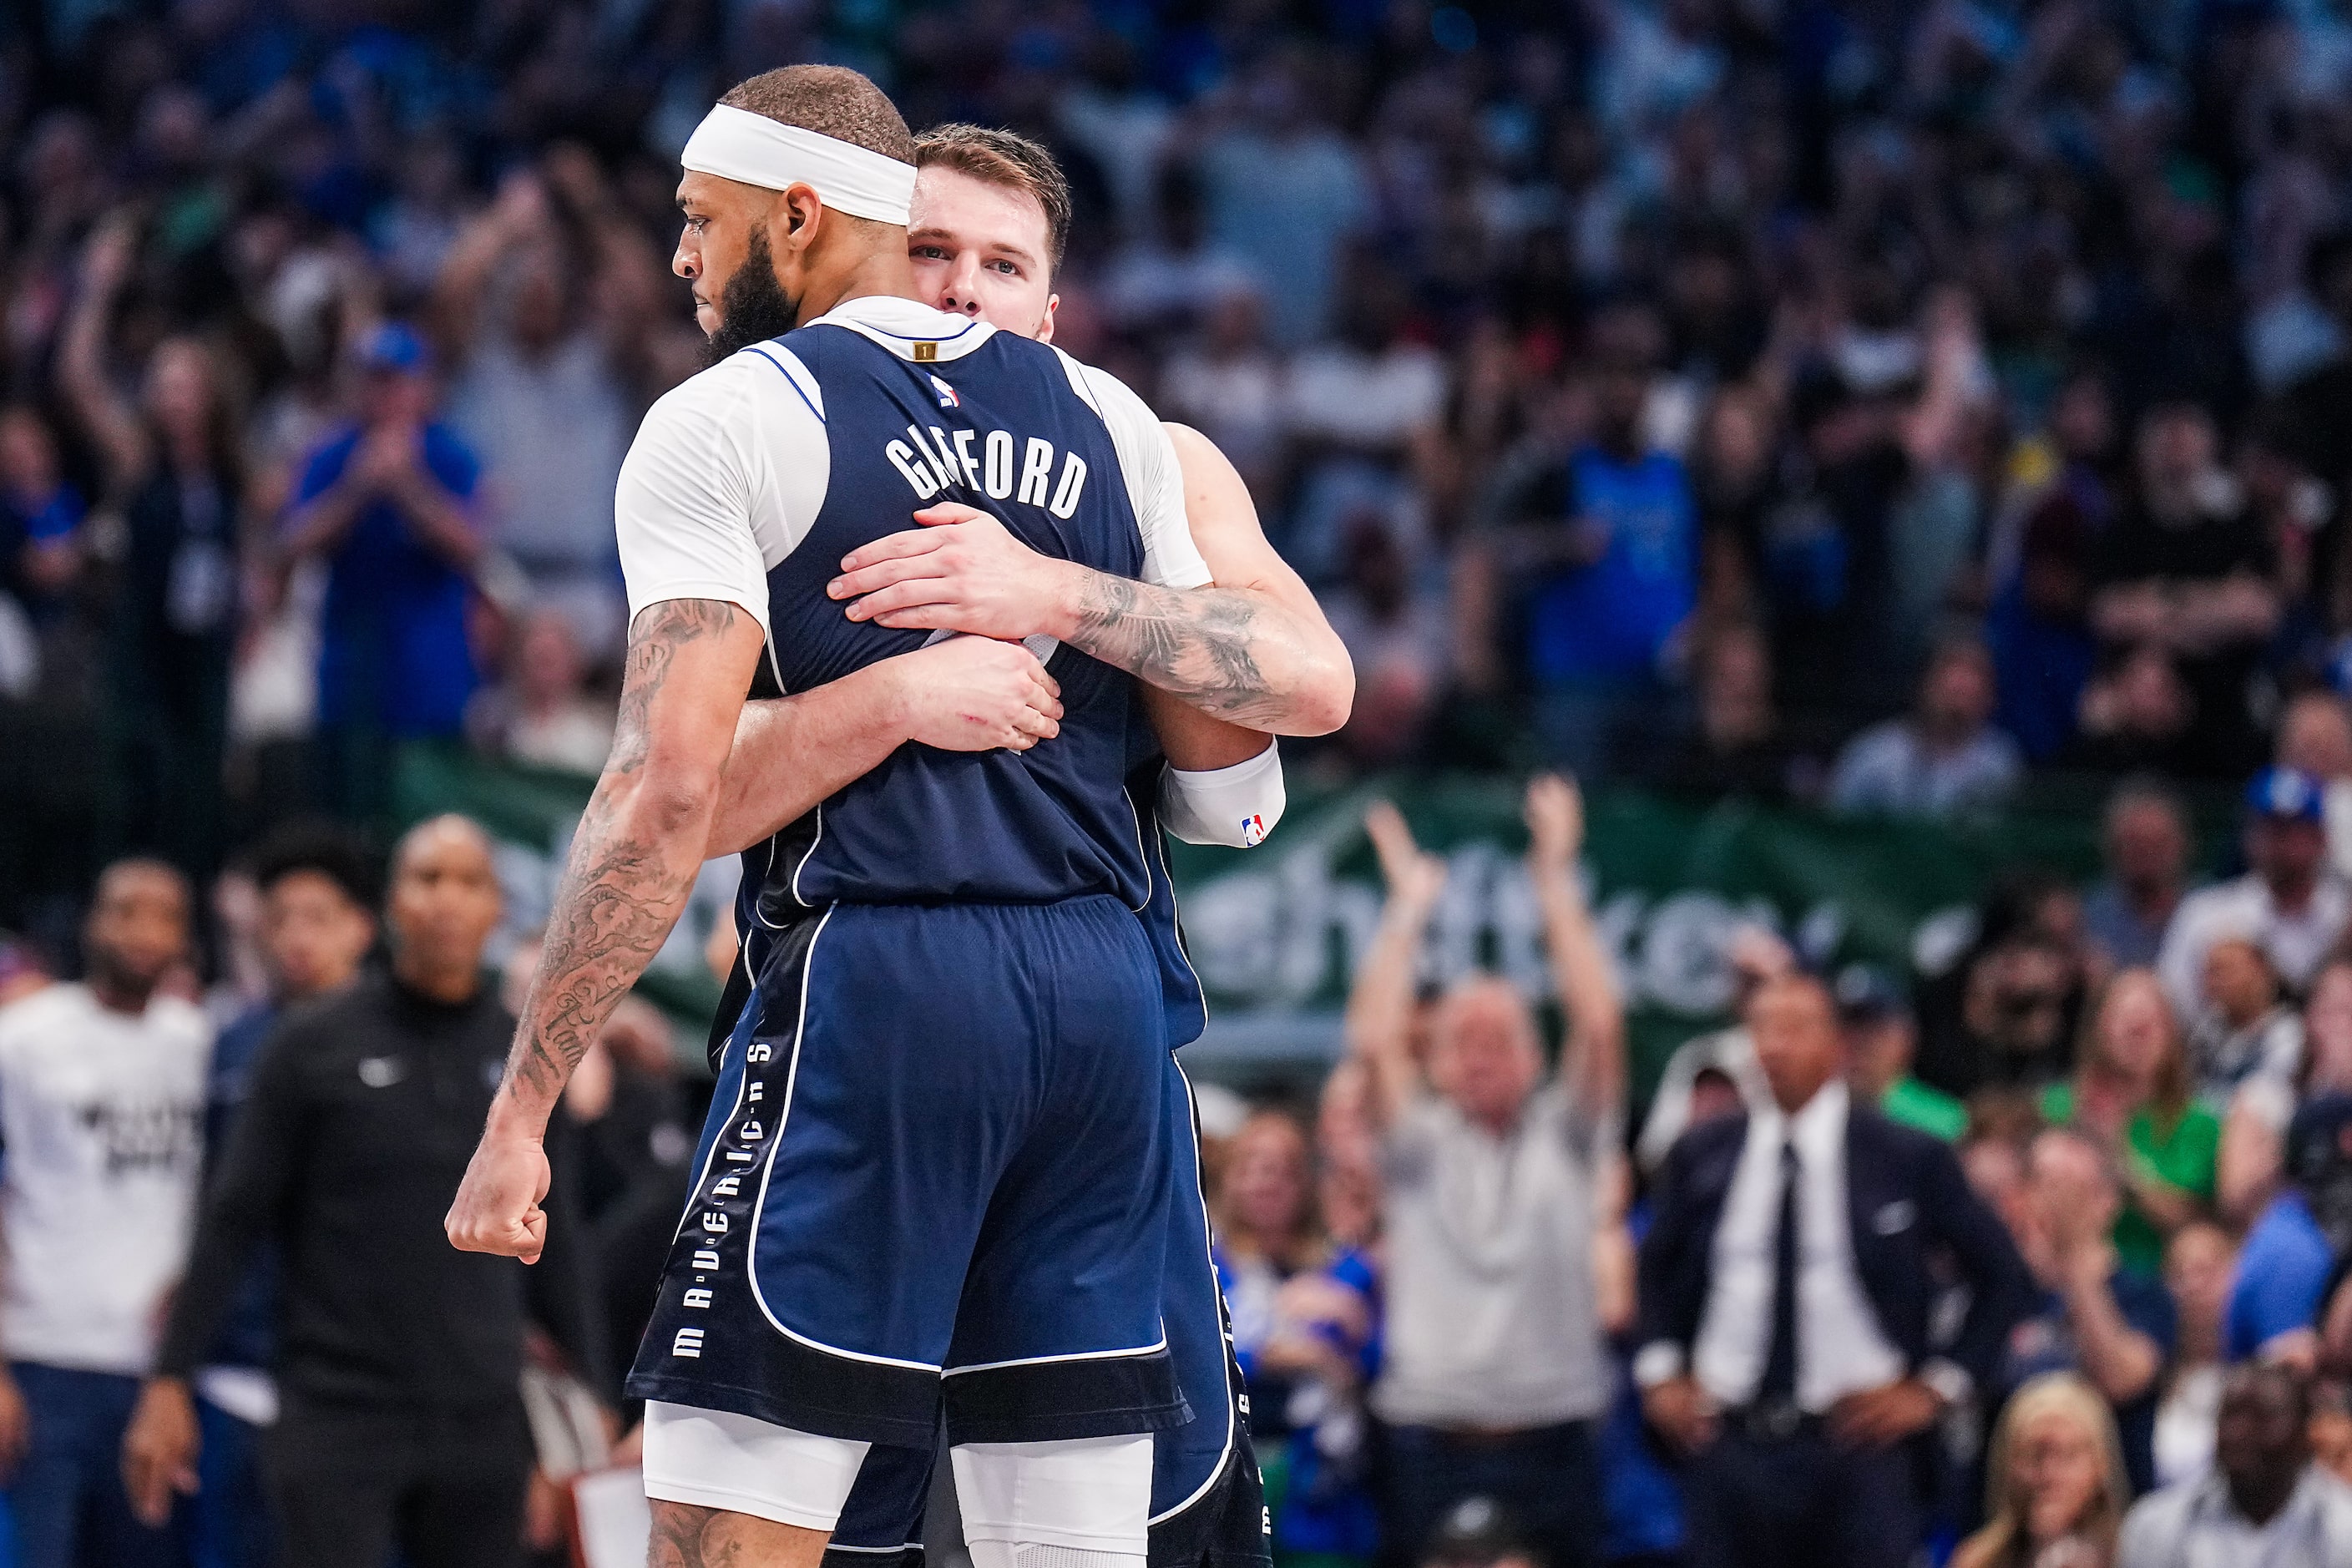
(1786, 1293)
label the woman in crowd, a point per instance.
(2131, 1090)
(2056, 1494)
(173, 470)
(2253, 1139)
(1303, 1328)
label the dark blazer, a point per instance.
(1910, 1208)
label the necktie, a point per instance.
(1779, 1382)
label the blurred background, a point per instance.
(1893, 455)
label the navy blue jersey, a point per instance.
(833, 437)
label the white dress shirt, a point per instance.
(1841, 1349)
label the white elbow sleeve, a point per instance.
(1236, 806)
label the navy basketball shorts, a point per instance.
(934, 1184)
(1208, 1502)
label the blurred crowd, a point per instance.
(1858, 404)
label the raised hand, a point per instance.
(1414, 877)
(1555, 817)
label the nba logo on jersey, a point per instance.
(948, 398)
(1253, 831)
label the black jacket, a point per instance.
(1910, 1208)
(363, 1111)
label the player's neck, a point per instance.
(882, 272)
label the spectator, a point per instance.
(2138, 717)
(2131, 1093)
(540, 713)
(1283, 193)
(2314, 737)
(2253, 1137)
(1797, 1374)
(2093, 1316)
(2180, 571)
(1302, 1327)
(175, 467)
(1880, 1040)
(1607, 537)
(386, 503)
(541, 380)
(2039, 630)
(399, 1359)
(2147, 840)
(102, 1095)
(2285, 901)
(2003, 1016)
(40, 513)
(2245, 1024)
(1945, 759)
(2057, 1491)
(2289, 1255)
(1737, 745)
(2196, 1270)
(317, 923)
(1485, 1153)
(2263, 1502)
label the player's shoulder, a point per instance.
(748, 391)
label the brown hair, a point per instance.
(2168, 1096)
(832, 100)
(1009, 159)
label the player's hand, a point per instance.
(496, 1209)
(962, 571)
(975, 694)
(159, 1448)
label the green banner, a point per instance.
(1276, 932)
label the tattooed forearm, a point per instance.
(632, 864)
(1209, 645)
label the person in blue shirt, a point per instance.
(387, 504)
(40, 514)
(2289, 1254)
(318, 923)
(1608, 538)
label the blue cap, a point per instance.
(2287, 794)
(394, 346)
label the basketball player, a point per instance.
(991, 217)
(940, 1140)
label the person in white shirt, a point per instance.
(2286, 903)
(101, 1108)
(2265, 1505)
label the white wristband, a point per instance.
(1236, 807)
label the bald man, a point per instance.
(400, 1419)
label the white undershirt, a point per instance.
(730, 470)
(1841, 1349)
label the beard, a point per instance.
(753, 307)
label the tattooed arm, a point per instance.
(1253, 650)
(634, 860)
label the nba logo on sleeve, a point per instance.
(1252, 830)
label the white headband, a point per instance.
(737, 144)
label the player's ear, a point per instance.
(793, 219)
(1045, 326)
